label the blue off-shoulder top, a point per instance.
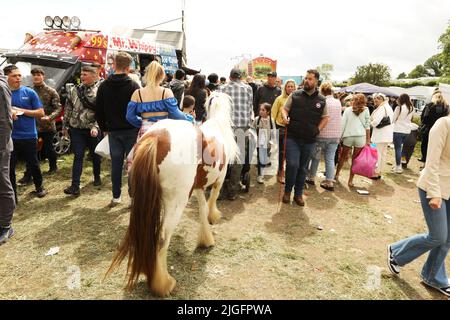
(169, 105)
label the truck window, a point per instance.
(52, 74)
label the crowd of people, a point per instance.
(310, 119)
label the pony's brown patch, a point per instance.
(211, 154)
(163, 146)
(223, 159)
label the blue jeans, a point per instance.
(399, 140)
(298, 156)
(328, 148)
(120, 145)
(437, 242)
(81, 138)
(281, 133)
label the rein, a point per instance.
(280, 193)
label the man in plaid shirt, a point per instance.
(242, 113)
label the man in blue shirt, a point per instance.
(26, 107)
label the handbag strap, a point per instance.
(361, 120)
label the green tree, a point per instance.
(436, 64)
(418, 72)
(402, 76)
(325, 71)
(375, 73)
(444, 44)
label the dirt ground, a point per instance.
(259, 253)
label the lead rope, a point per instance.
(280, 193)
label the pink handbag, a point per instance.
(365, 163)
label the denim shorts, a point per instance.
(357, 141)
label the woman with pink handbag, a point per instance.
(355, 132)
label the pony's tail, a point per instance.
(141, 242)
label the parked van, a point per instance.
(60, 53)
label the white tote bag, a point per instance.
(102, 148)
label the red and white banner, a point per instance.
(131, 45)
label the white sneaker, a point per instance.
(115, 202)
(399, 169)
(260, 179)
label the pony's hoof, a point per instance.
(206, 244)
(164, 287)
(214, 217)
(206, 240)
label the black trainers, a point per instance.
(74, 191)
(97, 182)
(40, 193)
(6, 234)
(443, 290)
(25, 181)
(392, 265)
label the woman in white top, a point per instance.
(402, 128)
(382, 134)
(434, 192)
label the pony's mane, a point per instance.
(218, 110)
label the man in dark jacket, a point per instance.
(267, 93)
(113, 97)
(177, 86)
(305, 114)
(8, 204)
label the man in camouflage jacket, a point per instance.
(79, 119)
(52, 108)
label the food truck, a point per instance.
(62, 48)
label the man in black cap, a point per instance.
(267, 93)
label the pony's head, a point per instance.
(218, 110)
(218, 106)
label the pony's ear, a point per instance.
(210, 102)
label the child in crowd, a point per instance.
(264, 126)
(188, 105)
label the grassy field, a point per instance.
(334, 248)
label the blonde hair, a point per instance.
(155, 74)
(326, 88)
(438, 98)
(285, 95)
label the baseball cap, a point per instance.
(272, 74)
(235, 73)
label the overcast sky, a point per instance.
(299, 34)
